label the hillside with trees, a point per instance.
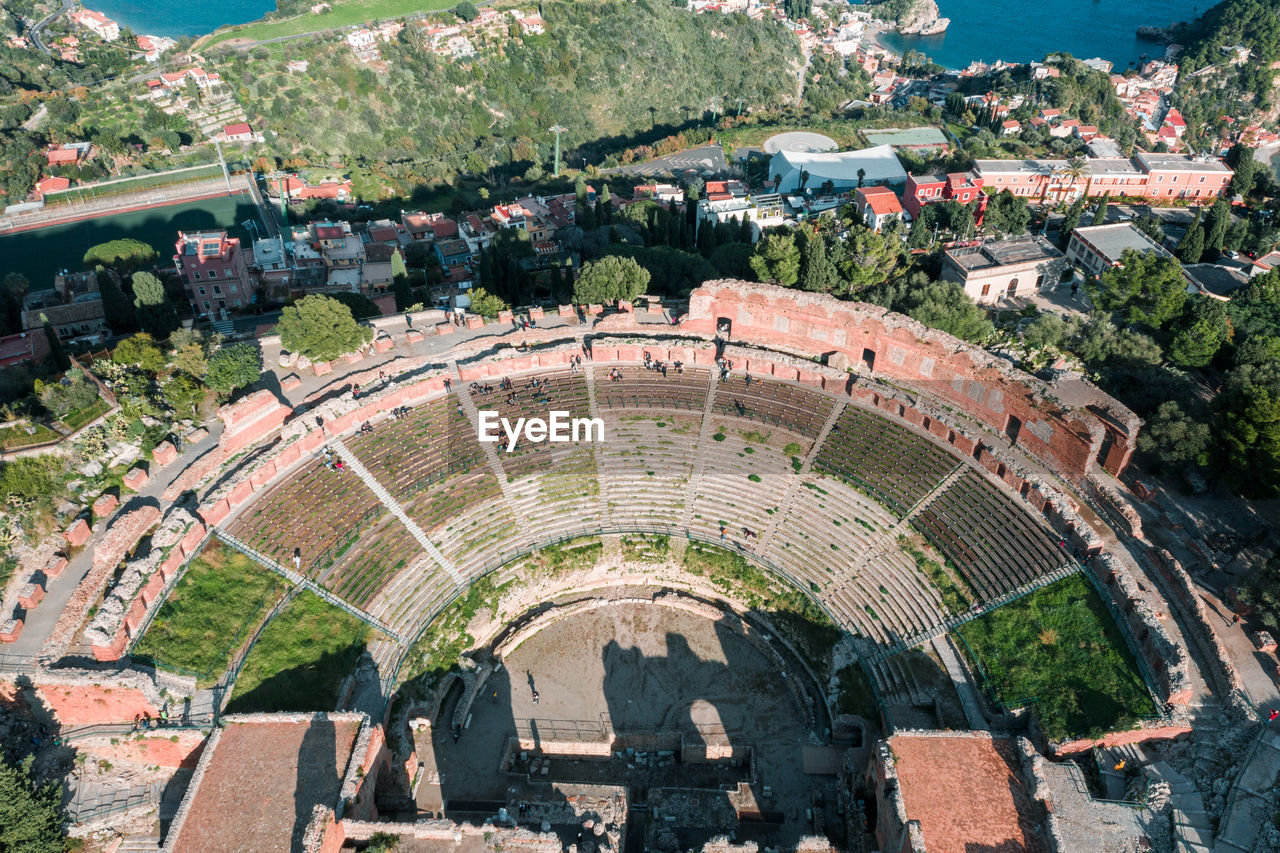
(610, 72)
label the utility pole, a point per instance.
(715, 108)
(557, 130)
(740, 100)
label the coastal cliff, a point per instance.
(919, 18)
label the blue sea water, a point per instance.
(175, 18)
(1026, 30)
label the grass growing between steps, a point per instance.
(581, 553)
(956, 594)
(646, 548)
(1059, 650)
(791, 610)
(441, 645)
(220, 599)
(300, 659)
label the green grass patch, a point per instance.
(956, 593)
(646, 548)
(581, 553)
(220, 599)
(792, 449)
(755, 478)
(17, 436)
(1059, 650)
(300, 659)
(755, 436)
(77, 419)
(719, 436)
(344, 14)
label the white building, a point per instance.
(879, 166)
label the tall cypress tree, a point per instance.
(116, 307)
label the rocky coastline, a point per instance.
(923, 20)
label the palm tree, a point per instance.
(1073, 170)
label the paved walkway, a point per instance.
(42, 619)
(969, 699)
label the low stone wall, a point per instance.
(1222, 667)
(143, 585)
(1123, 517)
(1148, 731)
(126, 530)
(1166, 658)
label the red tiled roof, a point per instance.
(881, 200)
(329, 232)
(966, 793)
(444, 229)
(56, 156)
(48, 185)
(237, 129)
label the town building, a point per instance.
(961, 187)
(68, 154)
(152, 47)
(296, 188)
(214, 271)
(878, 206)
(241, 133)
(96, 23)
(1095, 248)
(1145, 175)
(1004, 268)
(843, 170)
(73, 307)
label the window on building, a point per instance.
(226, 273)
(213, 273)
(217, 291)
(201, 291)
(1202, 179)
(235, 288)
(206, 305)
(986, 289)
(1013, 286)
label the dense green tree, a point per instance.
(234, 367)
(1148, 289)
(1249, 429)
(30, 811)
(1259, 349)
(140, 351)
(467, 11)
(1191, 246)
(183, 393)
(732, 260)
(777, 258)
(671, 271)
(1175, 438)
(321, 329)
(190, 353)
(609, 279)
(1007, 214)
(865, 259)
(1100, 215)
(403, 292)
(1071, 219)
(1245, 169)
(486, 304)
(1216, 224)
(362, 307)
(56, 353)
(1046, 331)
(944, 305)
(155, 312)
(1200, 332)
(123, 254)
(818, 273)
(398, 267)
(116, 308)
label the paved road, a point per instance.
(707, 158)
(42, 618)
(45, 21)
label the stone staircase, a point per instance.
(704, 440)
(298, 580)
(396, 509)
